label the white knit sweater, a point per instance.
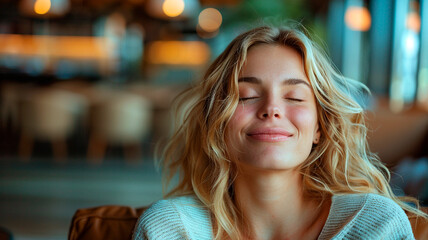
(352, 216)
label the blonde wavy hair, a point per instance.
(341, 163)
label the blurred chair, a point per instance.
(161, 98)
(49, 114)
(9, 103)
(396, 136)
(104, 222)
(120, 119)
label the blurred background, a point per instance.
(87, 85)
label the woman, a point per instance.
(273, 146)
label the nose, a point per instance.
(270, 110)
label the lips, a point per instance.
(269, 134)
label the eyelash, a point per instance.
(295, 99)
(291, 99)
(245, 99)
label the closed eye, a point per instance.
(246, 98)
(295, 99)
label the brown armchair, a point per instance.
(117, 222)
(105, 222)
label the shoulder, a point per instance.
(173, 218)
(365, 215)
(372, 205)
(368, 200)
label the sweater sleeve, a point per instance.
(378, 218)
(176, 218)
(160, 222)
(386, 218)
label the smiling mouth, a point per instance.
(270, 135)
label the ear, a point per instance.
(317, 135)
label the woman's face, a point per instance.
(275, 123)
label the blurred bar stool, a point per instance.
(49, 114)
(120, 119)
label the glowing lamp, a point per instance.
(178, 52)
(42, 6)
(413, 22)
(210, 20)
(173, 8)
(358, 18)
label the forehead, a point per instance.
(271, 61)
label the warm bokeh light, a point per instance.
(204, 34)
(358, 18)
(42, 6)
(210, 20)
(69, 47)
(173, 8)
(178, 52)
(413, 22)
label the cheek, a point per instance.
(305, 119)
(238, 118)
(236, 126)
(232, 133)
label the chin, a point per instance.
(273, 163)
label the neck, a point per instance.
(274, 206)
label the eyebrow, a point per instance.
(288, 81)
